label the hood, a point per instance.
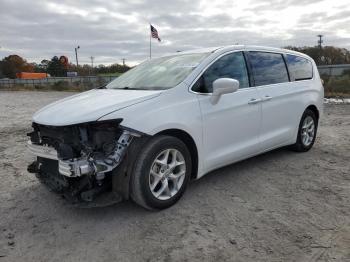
(90, 106)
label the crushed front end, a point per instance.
(79, 161)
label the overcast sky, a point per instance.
(112, 30)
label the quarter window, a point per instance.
(268, 68)
(299, 68)
(230, 66)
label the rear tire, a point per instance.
(161, 173)
(307, 132)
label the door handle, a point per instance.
(254, 101)
(267, 98)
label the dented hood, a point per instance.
(90, 106)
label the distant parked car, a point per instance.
(175, 118)
(72, 74)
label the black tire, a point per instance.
(140, 189)
(299, 146)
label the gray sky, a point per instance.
(112, 30)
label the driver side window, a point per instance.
(229, 66)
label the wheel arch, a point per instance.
(298, 146)
(189, 142)
(314, 109)
(311, 107)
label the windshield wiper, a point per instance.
(135, 88)
(102, 87)
(132, 88)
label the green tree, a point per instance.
(1, 73)
(55, 67)
(42, 67)
(328, 55)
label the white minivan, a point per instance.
(175, 118)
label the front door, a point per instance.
(230, 127)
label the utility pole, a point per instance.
(76, 54)
(123, 61)
(92, 65)
(320, 41)
(92, 61)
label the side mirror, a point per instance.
(223, 86)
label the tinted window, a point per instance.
(299, 68)
(268, 68)
(230, 66)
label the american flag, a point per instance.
(154, 33)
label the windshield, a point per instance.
(159, 73)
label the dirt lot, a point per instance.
(281, 206)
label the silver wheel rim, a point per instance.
(308, 131)
(167, 174)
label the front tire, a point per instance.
(161, 173)
(307, 132)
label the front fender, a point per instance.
(171, 110)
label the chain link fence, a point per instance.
(56, 83)
(336, 80)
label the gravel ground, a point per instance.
(280, 206)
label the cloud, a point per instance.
(112, 30)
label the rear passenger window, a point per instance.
(299, 68)
(231, 66)
(268, 68)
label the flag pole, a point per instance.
(150, 43)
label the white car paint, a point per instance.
(230, 128)
(89, 106)
(226, 132)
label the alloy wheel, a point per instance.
(308, 131)
(167, 174)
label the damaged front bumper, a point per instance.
(85, 165)
(83, 161)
